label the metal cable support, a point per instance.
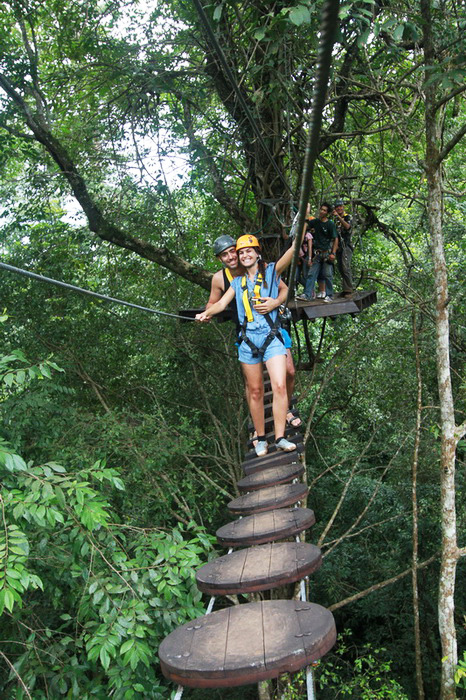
(104, 297)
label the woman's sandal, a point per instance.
(293, 420)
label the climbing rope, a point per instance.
(104, 297)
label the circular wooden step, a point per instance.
(247, 643)
(270, 477)
(268, 499)
(265, 527)
(259, 568)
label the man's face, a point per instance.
(248, 257)
(229, 258)
(339, 209)
(323, 212)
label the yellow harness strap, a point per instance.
(229, 275)
(256, 293)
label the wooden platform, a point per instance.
(268, 499)
(259, 568)
(354, 304)
(247, 643)
(270, 477)
(265, 527)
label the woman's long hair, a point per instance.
(261, 264)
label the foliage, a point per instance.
(77, 587)
(460, 675)
(361, 674)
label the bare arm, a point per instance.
(344, 223)
(218, 306)
(216, 289)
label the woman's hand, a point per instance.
(267, 304)
(202, 317)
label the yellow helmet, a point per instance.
(247, 241)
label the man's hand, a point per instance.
(331, 257)
(267, 304)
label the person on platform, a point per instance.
(261, 340)
(344, 228)
(324, 247)
(225, 250)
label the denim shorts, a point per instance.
(245, 355)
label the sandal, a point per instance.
(293, 420)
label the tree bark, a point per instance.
(449, 552)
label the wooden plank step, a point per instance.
(290, 434)
(272, 459)
(270, 477)
(268, 499)
(247, 644)
(265, 527)
(259, 568)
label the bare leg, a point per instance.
(290, 374)
(290, 377)
(276, 367)
(255, 394)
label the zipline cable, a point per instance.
(329, 24)
(58, 283)
(234, 85)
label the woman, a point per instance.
(261, 340)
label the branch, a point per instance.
(8, 662)
(459, 431)
(448, 97)
(451, 144)
(97, 221)
(379, 586)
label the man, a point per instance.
(225, 251)
(344, 228)
(324, 247)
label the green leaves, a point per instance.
(300, 15)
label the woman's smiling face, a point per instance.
(248, 256)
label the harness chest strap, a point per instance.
(228, 275)
(248, 317)
(256, 293)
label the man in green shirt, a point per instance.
(322, 256)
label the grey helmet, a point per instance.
(222, 243)
(338, 203)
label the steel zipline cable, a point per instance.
(103, 297)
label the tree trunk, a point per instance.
(449, 556)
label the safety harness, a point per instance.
(249, 318)
(228, 274)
